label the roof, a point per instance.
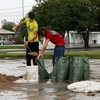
(6, 32)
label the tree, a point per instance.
(87, 19)
(77, 15)
(96, 7)
(50, 14)
(83, 18)
(23, 30)
(7, 25)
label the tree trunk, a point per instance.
(63, 34)
(86, 43)
(86, 39)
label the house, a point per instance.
(75, 38)
(5, 36)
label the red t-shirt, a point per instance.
(55, 37)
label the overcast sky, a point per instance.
(11, 10)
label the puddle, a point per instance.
(44, 89)
(12, 67)
(47, 90)
(81, 96)
(53, 97)
(12, 95)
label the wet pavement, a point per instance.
(44, 89)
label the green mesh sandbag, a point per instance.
(54, 71)
(86, 67)
(43, 74)
(63, 65)
(76, 68)
(70, 72)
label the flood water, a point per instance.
(43, 89)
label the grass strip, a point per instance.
(47, 55)
(12, 47)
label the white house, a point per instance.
(75, 38)
(5, 35)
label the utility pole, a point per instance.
(23, 8)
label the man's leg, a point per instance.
(28, 58)
(35, 48)
(58, 52)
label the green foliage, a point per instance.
(82, 16)
(51, 15)
(8, 25)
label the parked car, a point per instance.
(4, 42)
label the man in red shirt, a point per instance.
(56, 39)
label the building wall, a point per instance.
(75, 38)
(94, 38)
(98, 38)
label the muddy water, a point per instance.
(44, 89)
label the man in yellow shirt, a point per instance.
(33, 41)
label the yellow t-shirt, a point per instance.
(31, 27)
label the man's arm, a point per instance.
(15, 27)
(35, 35)
(43, 48)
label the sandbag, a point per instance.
(63, 65)
(70, 71)
(86, 69)
(43, 74)
(60, 69)
(76, 69)
(54, 71)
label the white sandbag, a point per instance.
(84, 86)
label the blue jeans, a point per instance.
(58, 52)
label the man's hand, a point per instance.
(40, 54)
(14, 28)
(26, 43)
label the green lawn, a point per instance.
(12, 46)
(90, 54)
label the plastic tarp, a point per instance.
(84, 86)
(43, 74)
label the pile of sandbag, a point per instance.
(84, 86)
(71, 68)
(66, 68)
